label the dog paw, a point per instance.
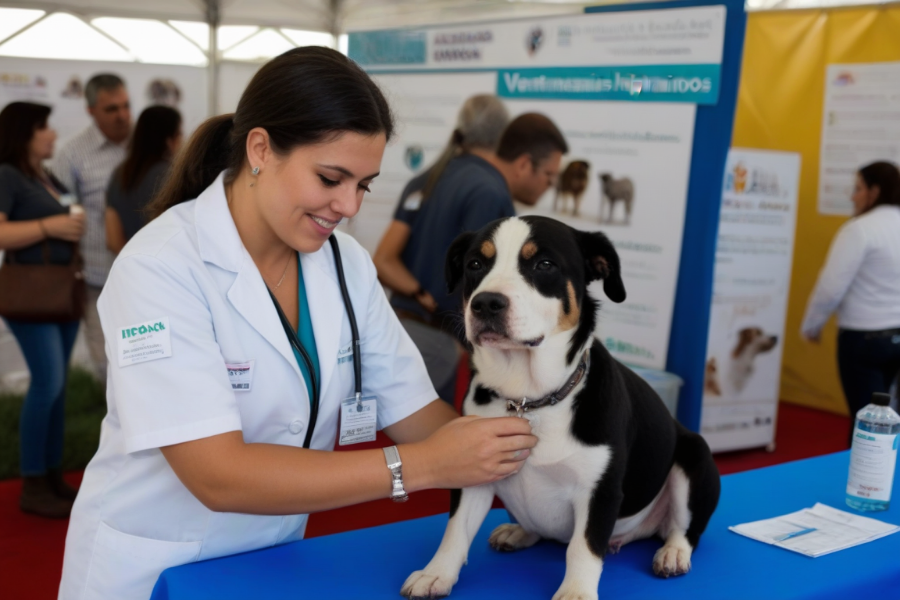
(510, 537)
(426, 585)
(574, 592)
(671, 560)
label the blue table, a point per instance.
(373, 563)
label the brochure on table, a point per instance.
(622, 87)
(816, 531)
(750, 293)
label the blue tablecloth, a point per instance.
(373, 563)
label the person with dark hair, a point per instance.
(156, 139)
(861, 281)
(84, 165)
(475, 188)
(35, 227)
(481, 121)
(245, 333)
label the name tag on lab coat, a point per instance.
(358, 420)
(345, 354)
(240, 375)
(144, 341)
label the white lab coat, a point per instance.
(133, 517)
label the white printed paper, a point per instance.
(816, 531)
(145, 341)
(860, 125)
(358, 420)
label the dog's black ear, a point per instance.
(453, 267)
(602, 262)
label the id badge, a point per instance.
(240, 375)
(358, 420)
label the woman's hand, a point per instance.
(470, 451)
(64, 227)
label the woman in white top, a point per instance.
(861, 280)
(214, 442)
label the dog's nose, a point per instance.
(489, 304)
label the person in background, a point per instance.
(194, 464)
(861, 281)
(157, 137)
(32, 219)
(475, 188)
(479, 125)
(84, 165)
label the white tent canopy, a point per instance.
(339, 16)
(264, 28)
(334, 16)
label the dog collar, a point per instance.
(524, 405)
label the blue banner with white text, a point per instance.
(697, 84)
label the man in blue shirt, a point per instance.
(474, 188)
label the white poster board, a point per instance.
(634, 123)
(750, 293)
(860, 125)
(60, 84)
(648, 146)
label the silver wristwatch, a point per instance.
(392, 456)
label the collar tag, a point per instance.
(555, 397)
(518, 406)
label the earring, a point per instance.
(255, 170)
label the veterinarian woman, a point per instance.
(231, 347)
(861, 280)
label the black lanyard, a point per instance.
(295, 343)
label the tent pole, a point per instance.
(212, 19)
(335, 19)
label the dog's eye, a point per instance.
(544, 265)
(474, 265)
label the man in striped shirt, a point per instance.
(84, 166)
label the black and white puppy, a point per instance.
(611, 465)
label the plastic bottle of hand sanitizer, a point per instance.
(873, 456)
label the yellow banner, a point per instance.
(780, 108)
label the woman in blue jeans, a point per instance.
(34, 221)
(861, 281)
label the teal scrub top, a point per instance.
(306, 335)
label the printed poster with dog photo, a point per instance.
(750, 293)
(623, 88)
(626, 174)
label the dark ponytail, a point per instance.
(886, 176)
(206, 154)
(300, 97)
(149, 143)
